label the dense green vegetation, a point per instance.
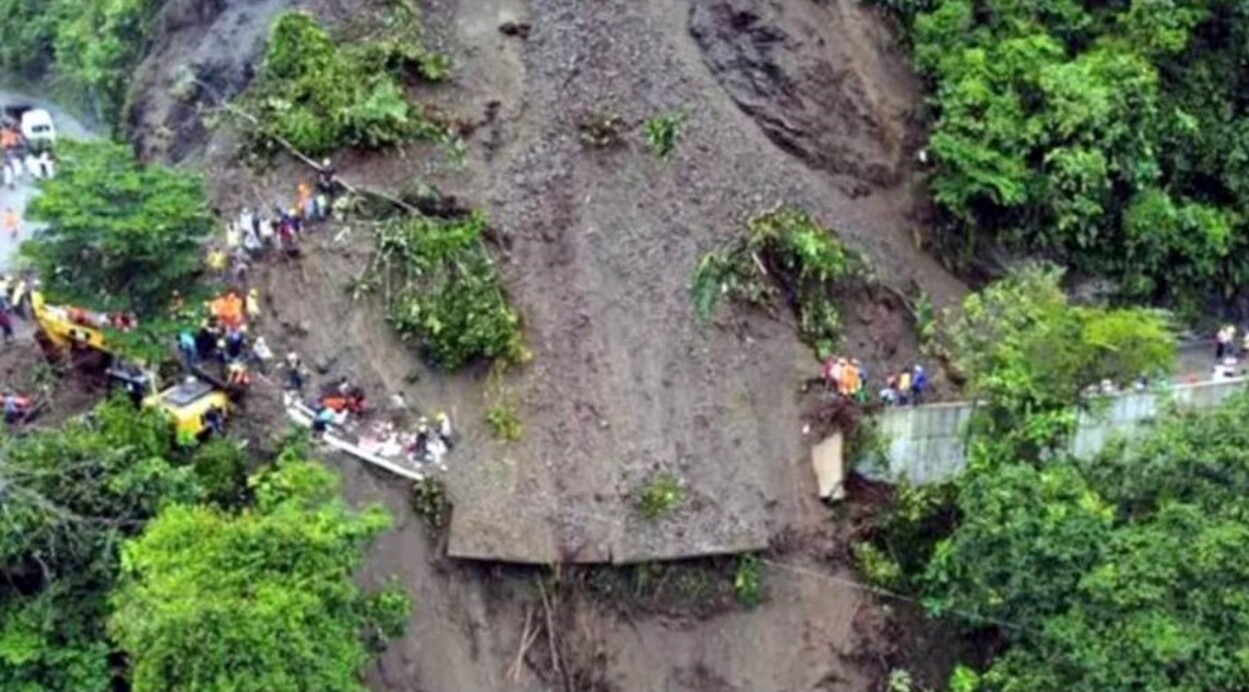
(71, 497)
(784, 254)
(258, 600)
(86, 47)
(1112, 573)
(107, 518)
(443, 291)
(1028, 354)
(1120, 572)
(1110, 136)
(321, 95)
(120, 234)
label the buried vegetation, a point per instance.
(786, 255)
(443, 292)
(321, 95)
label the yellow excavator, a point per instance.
(198, 406)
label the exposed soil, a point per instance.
(802, 102)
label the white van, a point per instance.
(37, 126)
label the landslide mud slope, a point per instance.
(797, 102)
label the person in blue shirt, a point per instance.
(919, 383)
(186, 347)
(12, 408)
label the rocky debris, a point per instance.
(219, 42)
(807, 93)
(517, 29)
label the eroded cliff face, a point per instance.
(200, 53)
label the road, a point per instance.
(68, 127)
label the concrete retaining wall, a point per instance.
(927, 444)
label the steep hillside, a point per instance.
(798, 102)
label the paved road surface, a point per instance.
(67, 126)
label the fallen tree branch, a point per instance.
(550, 634)
(527, 637)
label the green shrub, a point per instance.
(878, 568)
(446, 294)
(321, 96)
(747, 581)
(784, 254)
(662, 133)
(660, 496)
(386, 616)
(221, 467)
(504, 421)
(430, 502)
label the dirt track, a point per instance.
(799, 102)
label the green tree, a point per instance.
(119, 234)
(1065, 129)
(1121, 572)
(260, 600)
(1028, 355)
(89, 48)
(70, 497)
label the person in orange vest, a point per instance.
(12, 223)
(234, 309)
(303, 200)
(850, 378)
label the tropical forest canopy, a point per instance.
(87, 47)
(1123, 571)
(1110, 136)
(125, 557)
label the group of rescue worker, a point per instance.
(848, 378)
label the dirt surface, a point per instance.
(25, 371)
(797, 102)
(625, 382)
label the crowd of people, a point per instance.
(849, 378)
(253, 236)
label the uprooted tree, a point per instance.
(119, 234)
(443, 292)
